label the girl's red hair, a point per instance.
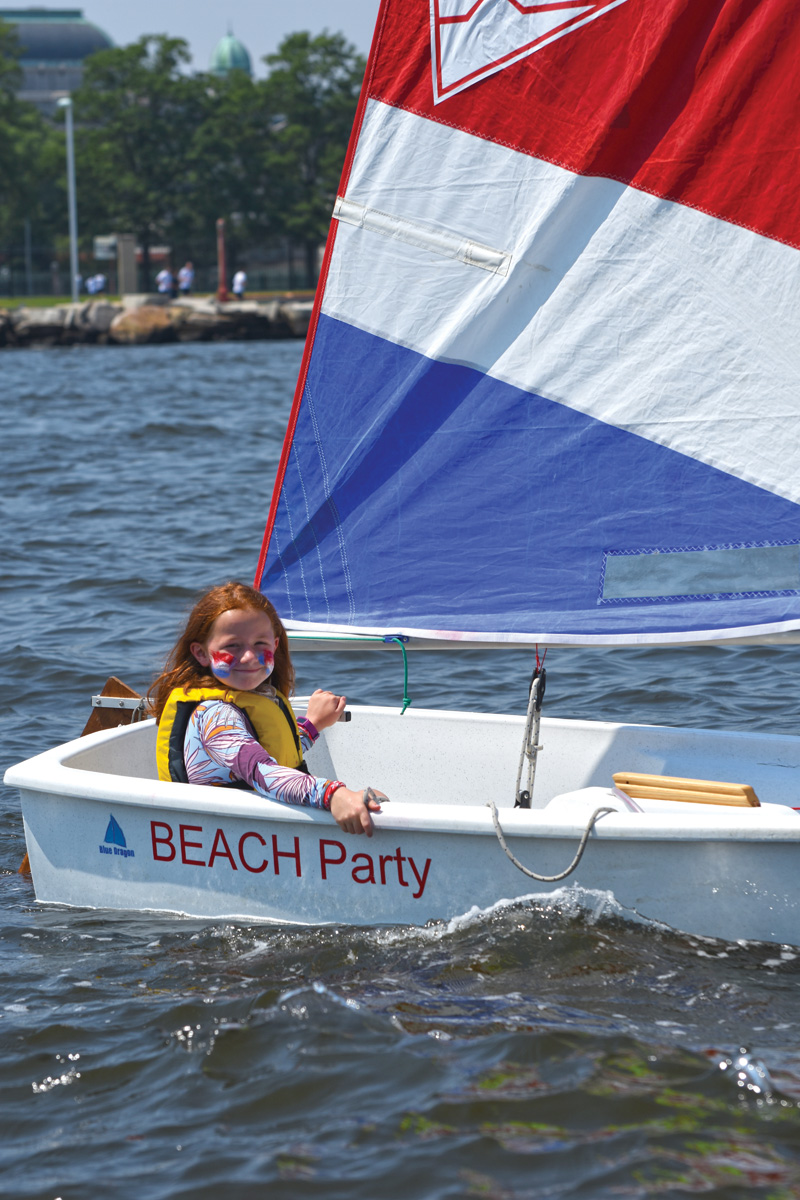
(182, 670)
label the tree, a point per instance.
(11, 161)
(136, 115)
(31, 176)
(161, 154)
(312, 91)
(226, 162)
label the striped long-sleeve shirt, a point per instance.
(220, 748)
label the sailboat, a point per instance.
(549, 397)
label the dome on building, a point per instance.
(54, 35)
(230, 55)
(53, 43)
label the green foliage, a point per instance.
(225, 165)
(312, 89)
(29, 179)
(163, 154)
(10, 73)
(136, 113)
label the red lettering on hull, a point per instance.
(185, 845)
(224, 852)
(162, 841)
(277, 855)
(243, 860)
(380, 870)
(365, 874)
(363, 866)
(325, 861)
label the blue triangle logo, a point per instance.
(114, 834)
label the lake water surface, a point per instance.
(544, 1050)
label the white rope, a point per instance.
(598, 812)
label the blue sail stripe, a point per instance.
(428, 502)
(309, 402)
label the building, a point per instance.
(230, 55)
(53, 44)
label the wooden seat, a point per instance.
(694, 791)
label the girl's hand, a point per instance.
(324, 709)
(351, 813)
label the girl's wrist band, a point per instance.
(331, 786)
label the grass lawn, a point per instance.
(51, 301)
(41, 301)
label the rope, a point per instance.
(406, 697)
(354, 639)
(598, 812)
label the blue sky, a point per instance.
(260, 24)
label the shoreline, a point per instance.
(150, 319)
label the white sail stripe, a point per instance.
(439, 241)
(620, 300)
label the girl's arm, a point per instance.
(308, 733)
(350, 809)
(219, 731)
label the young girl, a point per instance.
(224, 717)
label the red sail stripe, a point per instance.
(642, 94)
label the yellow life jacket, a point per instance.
(275, 726)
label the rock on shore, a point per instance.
(145, 320)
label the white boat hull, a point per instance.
(223, 853)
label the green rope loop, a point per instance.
(406, 697)
(365, 637)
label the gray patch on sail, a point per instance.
(727, 570)
(438, 241)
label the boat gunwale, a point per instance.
(50, 773)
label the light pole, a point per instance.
(66, 103)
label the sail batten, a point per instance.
(424, 237)
(597, 443)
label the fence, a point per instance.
(16, 283)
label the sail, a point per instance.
(552, 383)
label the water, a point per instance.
(544, 1050)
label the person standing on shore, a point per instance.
(239, 284)
(164, 281)
(186, 279)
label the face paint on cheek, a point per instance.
(221, 663)
(267, 660)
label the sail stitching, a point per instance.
(280, 556)
(332, 506)
(310, 525)
(426, 237)
(287, 507)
